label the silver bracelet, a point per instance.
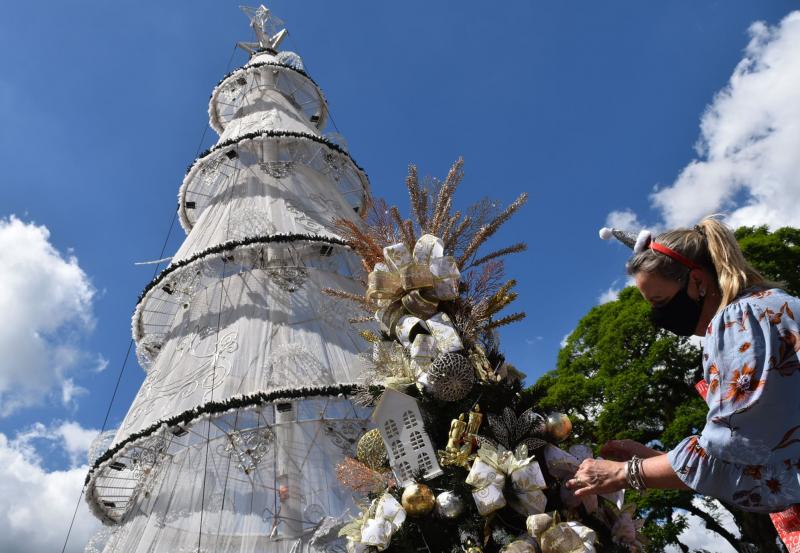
(633, 474)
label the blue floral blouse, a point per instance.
(748, 454)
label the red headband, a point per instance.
(661, 248)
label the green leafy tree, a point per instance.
(620, 377)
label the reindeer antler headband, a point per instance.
(645, 241)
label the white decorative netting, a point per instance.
(261, 476)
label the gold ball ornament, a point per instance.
(418, 500)
(372, 451)
(559, 427)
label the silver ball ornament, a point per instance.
(449, 505)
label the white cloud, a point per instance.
(697, 538)
(609, 295)
(48, 297)
(38, 504)
(748, 164)
(69, 436)
(101, 364)
(624, 220)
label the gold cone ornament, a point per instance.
(372, 451)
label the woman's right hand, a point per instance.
(623, 450)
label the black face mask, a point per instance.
(679, 315)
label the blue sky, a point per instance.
(585, 105)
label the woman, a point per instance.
(748, 455)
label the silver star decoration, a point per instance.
(266, 28)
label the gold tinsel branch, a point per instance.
(507, 320)
(408, 237)
(485, 232)
(361, 242)
(516, 248)
(448, 227)
(444, 200)
(419, 198)
(359, 299)
(501, 298)
(451, 246)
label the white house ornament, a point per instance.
(399, 421)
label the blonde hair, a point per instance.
(713, 246)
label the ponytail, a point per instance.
(734, 273)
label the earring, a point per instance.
(702, 292)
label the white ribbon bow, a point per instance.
(488, 477)
(561, 537)
(378, 529)
(437, 335)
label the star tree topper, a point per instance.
(266, 28)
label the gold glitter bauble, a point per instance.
(559, 426)
(417, 500)
(371, 450)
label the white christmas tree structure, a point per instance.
(232, 441)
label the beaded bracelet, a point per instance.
(633, 474)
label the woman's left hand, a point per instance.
(596, 476)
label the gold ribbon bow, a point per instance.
(560, 537)
(376, 525)
(488, 477)
(414, 281)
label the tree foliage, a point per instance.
(620, 377)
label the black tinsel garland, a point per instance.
(262, 64)
(213, 407)
(233, 244)
(278, 134)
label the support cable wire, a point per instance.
(222, 294)
(131, 342)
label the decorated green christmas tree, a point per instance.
(459, 460)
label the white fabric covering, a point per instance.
(194, 467)
(266, 500)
